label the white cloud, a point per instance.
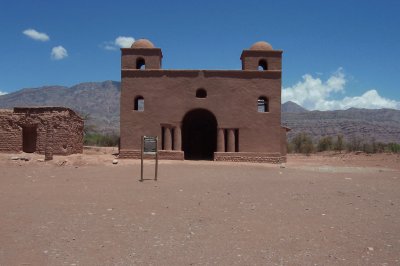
(124, 42)
(58, 53)
(35, 35)
(110, 47)
(370, 99)
(119, 42)
(3, 93)
(315, 94)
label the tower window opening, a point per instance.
(140, 63)
(139, 104)
(262, 65)
(262, 104)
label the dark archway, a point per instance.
(199, 135)
(29, 137)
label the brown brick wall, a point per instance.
(162, 155)
(10, 133)
(256, 157)
(65, 125)
(231, 106)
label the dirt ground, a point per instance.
(325, 209)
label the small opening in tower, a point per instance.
(262, 65)
(262, 104)
(140, 63)
(201, 93)
(139, 104)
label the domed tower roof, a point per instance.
(142, 43)
(261, 46)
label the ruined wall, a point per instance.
(25, 130)
(10, 132)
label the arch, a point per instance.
(262, 104)
(139, 104)
(201, 93)
(199, 135)
(140, 63)
(262, 64)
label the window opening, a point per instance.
(262, 105)
(201, 93)
(262, 65)
(140, 63)
(139, 104)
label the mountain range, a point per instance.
(98, 102)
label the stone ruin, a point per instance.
(44, 130)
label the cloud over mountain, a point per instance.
(316, 94)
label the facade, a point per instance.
(55, 130)
(222, 115)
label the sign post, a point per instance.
(149, 146)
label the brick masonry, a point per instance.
(64, 126)
(255, 157)
(162, 155)
(237, 110)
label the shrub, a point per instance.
(325, 144)
(302, 143)
(97, 139)
(339, 144)
(393, 147)
(354, 144)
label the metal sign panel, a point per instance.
(149, 145)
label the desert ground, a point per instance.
(324, 209)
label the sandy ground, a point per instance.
(326, 209)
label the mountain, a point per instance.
(97, 100)
(100, 102)
(291, 107)
(382, 125)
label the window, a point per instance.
(201, 93)
(262, 65)
(139, 104)
(140, 63)
(263, 104)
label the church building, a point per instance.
(221, 115)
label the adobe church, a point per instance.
(221, 115)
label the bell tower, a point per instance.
(261, 56)
(142, 55)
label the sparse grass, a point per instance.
(104, 140)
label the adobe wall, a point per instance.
(231, 96)
(65, 127)
(250, 59)
(153, 58)
(10, 132)
(233, 122)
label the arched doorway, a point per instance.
(199, 135)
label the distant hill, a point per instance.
(291, 107)
(100, 100)
(383, 125)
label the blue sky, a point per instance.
(337, 54)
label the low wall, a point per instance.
(255, 157)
